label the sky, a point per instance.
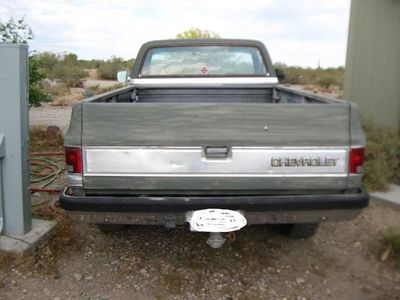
(296, 32)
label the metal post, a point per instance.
(14, 127)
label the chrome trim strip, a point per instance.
(192, 162)
(212, 175)
(236, 147)
(74, 179)
(214, 81)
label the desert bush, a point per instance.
(391, 244)
(42, 139)
(68, 73)
(59, 89)
(310, 76)
(109, 69)
(381, 156)
(36, 92)
(96, 89)
(47, 61)
(55, 88)
(326, 81)
(66, 67)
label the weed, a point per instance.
(110, 68)
(381, 156)
(391, 245)
(41, 139)
(327, 81)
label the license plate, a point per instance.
(215, 220)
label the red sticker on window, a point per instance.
(204, 70)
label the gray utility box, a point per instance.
(16, 208)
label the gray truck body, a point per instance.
(157, 146)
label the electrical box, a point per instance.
(14, 138)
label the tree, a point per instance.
(36, 92)
(19, 32)
(68, 70)
(196, 33)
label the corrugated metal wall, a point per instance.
(372, 77)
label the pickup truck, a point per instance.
(203, 134)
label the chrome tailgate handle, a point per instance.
(216, 152)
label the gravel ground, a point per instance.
(48, 115)
(101, 83)
(341, 262)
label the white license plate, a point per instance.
(215, 220)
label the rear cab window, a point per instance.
(204, 61)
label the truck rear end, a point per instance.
(233, 147)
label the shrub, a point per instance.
(96, 89)
(381, 156)
(42, 139)
(391, 243)
(327, 81)
(307, 76)
(59, 89)
(66, 68)
(36, 95)
(47, 61)
(110, 68)
(68, 73)
(36, 92)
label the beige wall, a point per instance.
(372, 77)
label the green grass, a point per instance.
(391, 241)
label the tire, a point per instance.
(299, 230)
(109, 228)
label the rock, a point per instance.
(299, 280)
(143, 272)
(53, 130)
(78, 276)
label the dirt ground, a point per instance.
(341, 262)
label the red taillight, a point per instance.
(73, 160)
(356, 161)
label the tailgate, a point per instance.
(211, 147)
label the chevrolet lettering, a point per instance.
(304, 162)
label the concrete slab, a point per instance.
(390, 197)
(27, 243)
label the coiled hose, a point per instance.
(44, 172)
